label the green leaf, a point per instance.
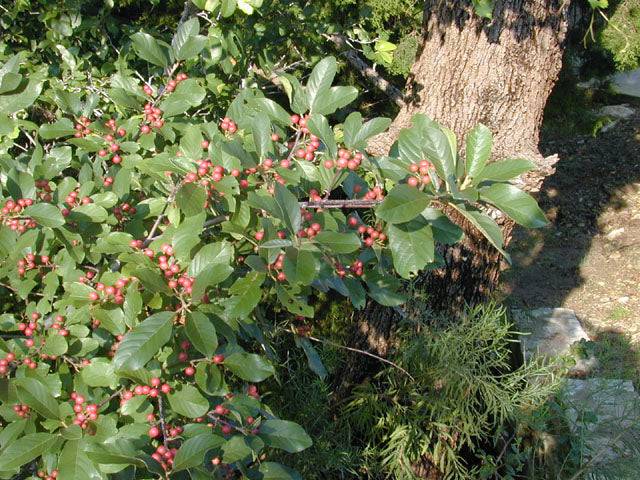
(287, 208)
(438, 149)
(285, 435)
(314, 360)
(484, 8)
(277, 471)
(201, 332)
(144, 341)
(319, 126)
(335, 98)
(74, 463)
(356, 134)
(274, 111)
(45, 214)
(246, 295)
(55, 344)
(403, 203)
(412, 246)
(385, 290)
(228, 7)
(300, 266)
(99, 373)
(505, 170)
(89, 213)
(12, 431)
(187, 235)
(191, 141)
(149, 49)
(261, 131)
(192, 452)
(188, 401)
(514, 202)
(186, 42)
(188, 94)
(34, 394)
(320, 81)
(26, 449)
(486, 225)
(191, 199)
(479, 142)
(249, 366)
(339, 242)
(60, 128)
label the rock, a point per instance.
(617, 111)
(627, 83)
(605, 416)
(623, 300)
(615, 233)
(551, 331)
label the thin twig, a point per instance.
(163, 427)
(363, 352)
(393, 92)
(353, 203)
(170, 199)
(111, 397)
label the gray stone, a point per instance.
(627, 83)
(617, 111)
(604, 415)
(548, 331)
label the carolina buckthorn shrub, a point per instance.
(141, 240)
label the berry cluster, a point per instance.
(152, 117)
(52, 476)
(84, 412)
(10, 213)
(228, 125)
(375, 193)
(124, 211)
(420, 173)
(276, 267)
(151, 391)
(370, 235)
(31, 261)
(6, 361)
(58, 324)
(162, 455)
(346, 159)
(29, 329)
(310, 145)
(82, 127)
(21, 410)
(72, 201)
(107, 293)
(312, 228)
(45, 190)
(177, 279)
(112, 146)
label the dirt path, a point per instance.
(588, 259)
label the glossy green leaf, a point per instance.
(201, 332)
(74, 462)
(338, 242)
(285, 435)
(412, 247)
(45, 214)
(478, 150)
(36, 395)
(277, 471)
(519, 205)
(320, 81)
(249, 366)
(188, 401)
(402, 204)
(144, 341)
(26, 449)
(192, 452)
(505, 170)
(150, 49)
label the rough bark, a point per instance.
(470, 70)
(498, 72)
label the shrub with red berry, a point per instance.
(141, 238)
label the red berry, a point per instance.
(154, 432)
(218, 359)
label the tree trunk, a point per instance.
(498, 72)
(471, 70)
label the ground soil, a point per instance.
(588, 258)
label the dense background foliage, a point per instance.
(186, 200)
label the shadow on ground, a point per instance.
(588, 258)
